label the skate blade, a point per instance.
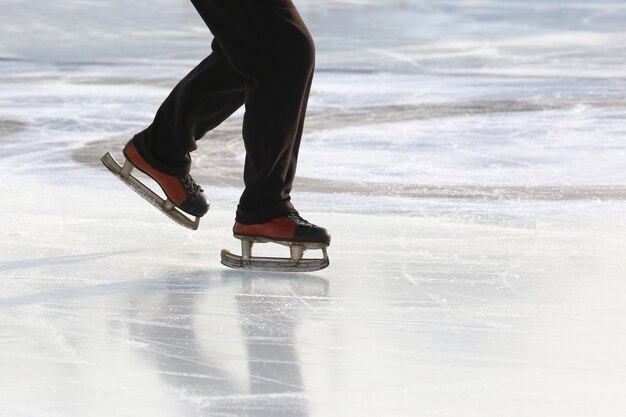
(261, 264)
(165, 206)
(265, 264)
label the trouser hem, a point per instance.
(141, 142)
(262, 216)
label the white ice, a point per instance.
(437, 304)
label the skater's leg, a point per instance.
(202, 100)
(268, 43)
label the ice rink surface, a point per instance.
(467, 156)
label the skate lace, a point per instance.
(190, 185)
(297, 219)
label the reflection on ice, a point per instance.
(243, 361)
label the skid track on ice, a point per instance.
(166, 206)
(295, 263)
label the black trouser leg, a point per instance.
(268, 43)
(270, 51)
(202, 100)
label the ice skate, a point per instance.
(183, 195)
(291, 231)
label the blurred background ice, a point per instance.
(506, 93)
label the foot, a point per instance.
(290, 228)
(182, 191)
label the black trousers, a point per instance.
(263, 56)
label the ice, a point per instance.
(467, 156)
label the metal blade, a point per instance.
(165, 206)
(265, 264)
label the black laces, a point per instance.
(190, 185)
(295, 217)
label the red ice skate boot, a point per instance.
(290, 230)
(182, 191)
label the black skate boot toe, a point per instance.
(307, 232)
(196, 204)
(312, 234)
